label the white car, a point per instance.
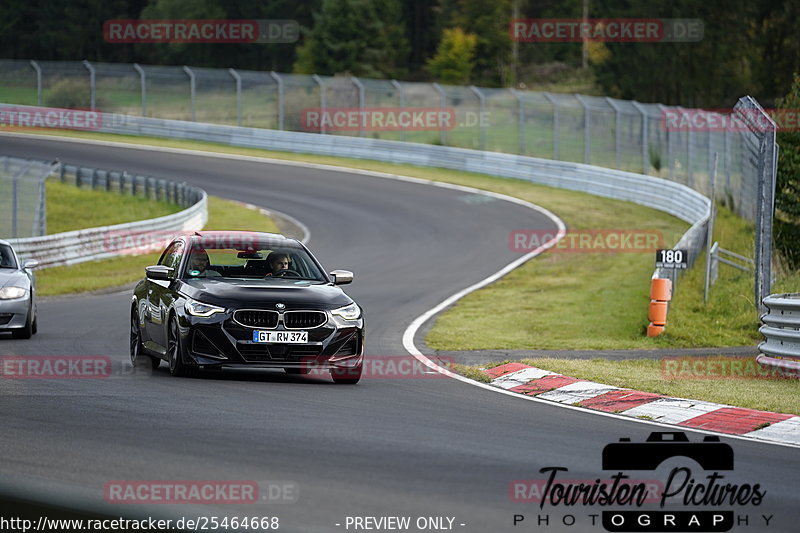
(17, 293)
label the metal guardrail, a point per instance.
(109, 241)
(674, 198)
(781, 329)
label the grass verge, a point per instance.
(570, 301)
(778, 395)
(66, 208)
(106, 273)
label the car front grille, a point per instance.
(256, 318)
(304, 319)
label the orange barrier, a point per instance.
(660, 295)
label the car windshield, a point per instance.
(244, 257)
(7, 257)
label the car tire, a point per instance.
(35, 325)
(350, 376)
(138, 357)
(26, 331)
(176, 365)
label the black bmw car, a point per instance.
(234, 299)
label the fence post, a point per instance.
(556, 126)
(192, 91)
(361, 102)
(279, 81)
(322, 100)
(587, 130)
(520, 120)
(689, 154)
(645, 137)
(617, 133)
(670, 148)
(402, 92)
(143, 86)
(482, 109)
(238, 80)
(442, 105)
(92, 84)
(38, 71)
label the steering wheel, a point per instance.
(283, 272)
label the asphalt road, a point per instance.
(426, 446)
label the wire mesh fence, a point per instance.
(652, 139)
(22, 196)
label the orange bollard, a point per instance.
(661, 289)
(660, 295)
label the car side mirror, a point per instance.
(30, 264)
(341, 277)
(159, 272)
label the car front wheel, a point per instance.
(27, 330)
(138, 357)
(176, 365)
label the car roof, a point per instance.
(275, 238)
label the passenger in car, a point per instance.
(198, 265)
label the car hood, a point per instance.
(265, 294)
(13, 278)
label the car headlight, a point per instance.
(348, 312)
(195, 308)
(9, 293)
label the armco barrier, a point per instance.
(99, 243)
(781, 330)
(664, 195)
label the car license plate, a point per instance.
(281, 337)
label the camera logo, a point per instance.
(711, 454)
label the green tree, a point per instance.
(454, 59)
(488, 20)
(360, 37)
(787, 188)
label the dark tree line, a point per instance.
(748, 47)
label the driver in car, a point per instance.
(279, 264)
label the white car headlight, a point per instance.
(195, 308)
(9, 293)
(348, 312)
